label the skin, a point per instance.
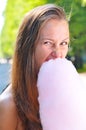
(8, 114)
(52, 43)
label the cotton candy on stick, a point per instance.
(62, 96)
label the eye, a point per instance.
(63, 43)
(49, 43)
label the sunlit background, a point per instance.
(2, 8)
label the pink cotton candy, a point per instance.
(62, 96)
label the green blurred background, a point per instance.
(76, 12)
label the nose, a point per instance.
(53, 55)
(57, 52)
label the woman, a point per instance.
(43, 35)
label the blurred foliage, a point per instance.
(78, 33)
(13, 14)
(77, 28)
(16, 9)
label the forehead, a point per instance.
(54, 29)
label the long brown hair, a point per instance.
(24, 75)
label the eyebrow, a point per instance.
(53, 40)
(66, 39)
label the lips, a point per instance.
(53, 55)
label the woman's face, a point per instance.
(53, 41)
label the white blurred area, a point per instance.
(62, 96)
(4, 61)
(83, 77)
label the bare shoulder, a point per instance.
(8, 115)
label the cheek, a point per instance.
(40, 55)
(64, 52)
